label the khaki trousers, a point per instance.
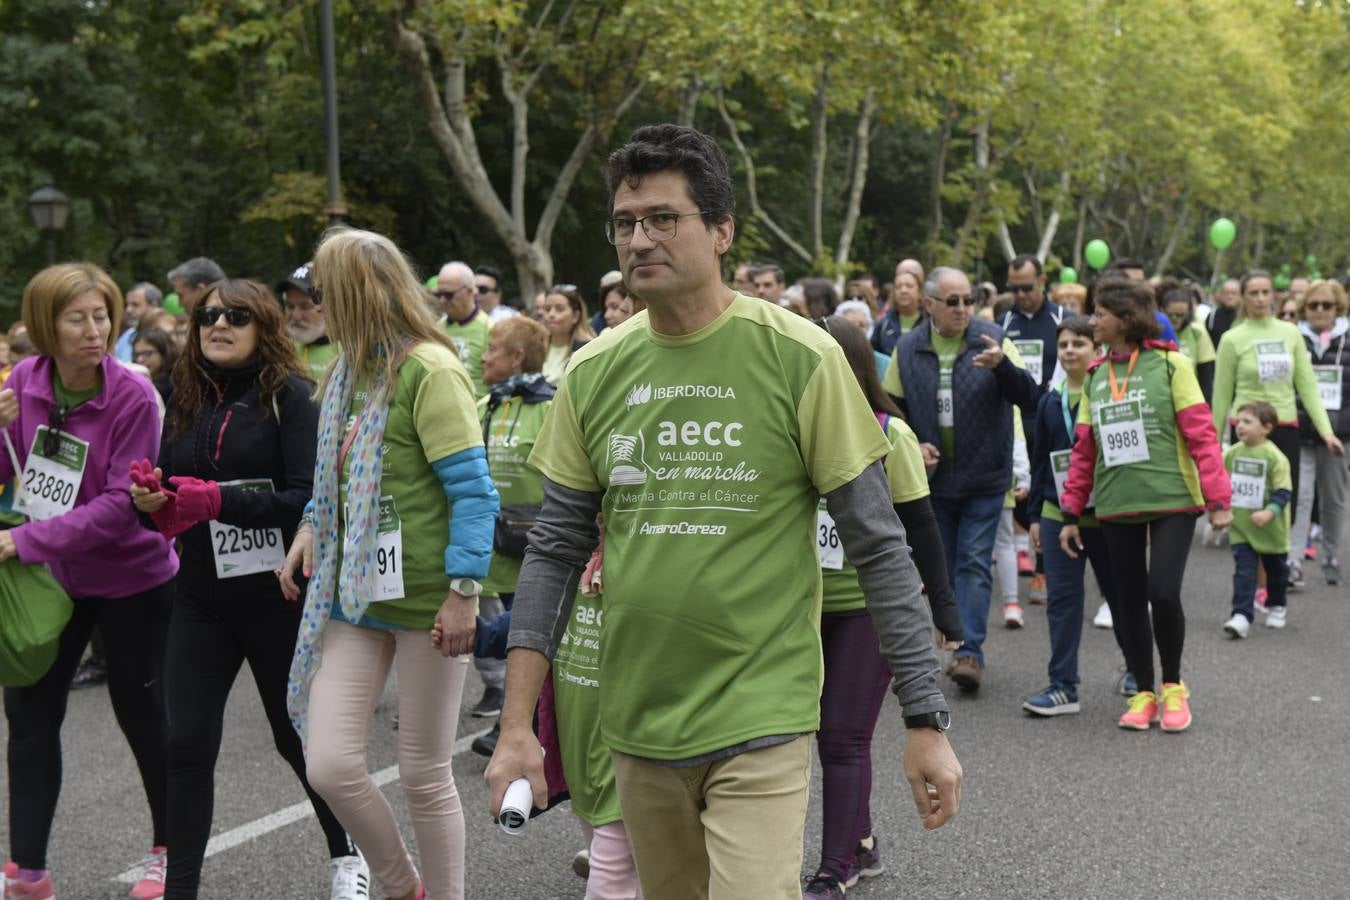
(726, 829)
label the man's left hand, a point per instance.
(991, 355)
(934, 775)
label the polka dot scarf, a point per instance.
(355, 583)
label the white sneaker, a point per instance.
(1012, 615)
(1103, 617)
(1275, 618)
(351, 878)
(1238, 626)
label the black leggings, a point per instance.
(205, 654)
(133, 630)
(1148, 561)
(1285, 437)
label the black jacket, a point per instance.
(233, 437)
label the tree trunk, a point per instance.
(1079, 234)
(862, 138)
(1052, 226)
(819, 150)
(984, 181)
(1178, 228)
(938, 177)
(689, 103)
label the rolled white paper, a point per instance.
(516, 806)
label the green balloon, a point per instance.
(1315, 275)
(1286, 268)
(1222, 233)
(431, 283)
(1068, 275)
(173, 304)
(1282, 282)
(1311, 261)
(1097, 253)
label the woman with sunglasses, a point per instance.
(1264, 358)
(1177, 302)
(1324, 328)
(234, 473)
(400, 465)
(563, 313)
(74, 419)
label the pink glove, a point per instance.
(143, 475)
(166, 518)
(198, 501)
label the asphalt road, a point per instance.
(1252, 802)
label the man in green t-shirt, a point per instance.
(305, 322)
(707, 428)
(463, 319)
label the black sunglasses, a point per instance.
(51, 443)
(236, 316)
(956, 300)
(1021, 288)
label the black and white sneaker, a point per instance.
(489, 706)
(351, 878)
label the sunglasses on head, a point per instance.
(235, 316)
(956, 300)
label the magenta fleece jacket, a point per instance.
(98, 549)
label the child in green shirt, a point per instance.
(1260, 476)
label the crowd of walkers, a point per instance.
(684, 539)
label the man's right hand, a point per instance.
(518, 755)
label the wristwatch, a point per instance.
(939, 720)
(466, 587)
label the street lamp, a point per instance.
(49, 209)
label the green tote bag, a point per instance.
(34, 610)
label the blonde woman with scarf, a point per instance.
(400, 465)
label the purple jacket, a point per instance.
(98, 549)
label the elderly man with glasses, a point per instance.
(957, 378)
(463, 319)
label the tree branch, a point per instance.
(862, 142)
(819, 149)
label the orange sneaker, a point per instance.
(1036, 594)
(1142, 713)
(1176, 712)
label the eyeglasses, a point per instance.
(446, 295)
(1320, 305)
(1021, 288)
(858, 297)
(956, 300)
(52, 442)
(235, 316)
(484, 289)
(657, 226)
(1288, 314)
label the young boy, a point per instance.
(1261, 492)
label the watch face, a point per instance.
(944, 720)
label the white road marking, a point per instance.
(251, 831)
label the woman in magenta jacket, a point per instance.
(73, 420)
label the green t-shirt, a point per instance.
(1167, 481)
(840, 591)
(1194, 343)
(316, 357)
(587, 765)
(1266, 359)
(1257, 473)
(432, 416)
(471, 340)
(71, 399)
(515, 427)
(712, 449)
(947, 349)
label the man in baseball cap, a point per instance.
(305, 322)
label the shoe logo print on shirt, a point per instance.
(624, 451)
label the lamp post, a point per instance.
(49, 209)
(335, 208)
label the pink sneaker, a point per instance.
(1259, 600)
(1142, 713)
(151, 885)
(1176, 712)
(18, 889)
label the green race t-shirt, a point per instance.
(1153, 473)
(316, 357)
(840, 591)
(947, 349)
(432, 416)
(1266, 359)
(711, 449)
(471, 340)
(1256, 474)
(587, 765)
(1194, 343)
(71, 399)
(515, 427)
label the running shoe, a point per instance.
(1103, 617)
(151, 885)
(581, 864)
(486, 743)
(91, 673)
(1310, 548)
(823, 886)
(18, 889)
(1053, 701)
(1024, 564)
(1275, 618)
(1012, 615)
(1331, 571)
(489, 706)
(1176, 712)
(350, 878)
(1143, 711)
(866, 862)
(1260, 600)
(1296, 577)
(1128, 685)
(1036, 595)
(1237, 627)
